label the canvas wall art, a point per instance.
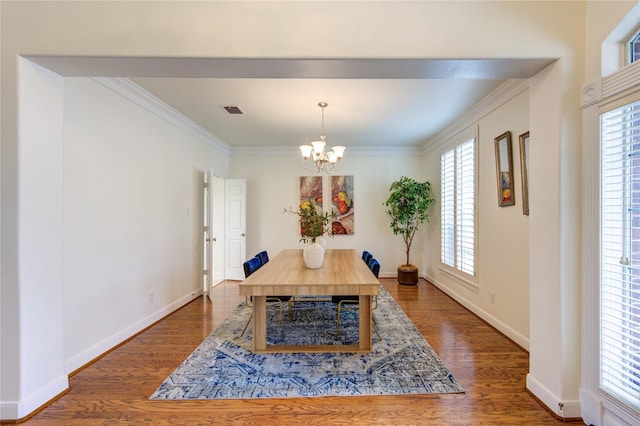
(343, 204)
(311, 192)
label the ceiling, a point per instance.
(371, 102)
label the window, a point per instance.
(457, 175)
(620, 254)
(632, 46)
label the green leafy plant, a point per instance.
(313, 224)
(408, 206)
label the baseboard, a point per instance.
(503, 328)
(105, 345)
(591, 407)
(563, 409)
(14, 410)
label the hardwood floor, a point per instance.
(492, 369)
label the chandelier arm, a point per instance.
(309, 164)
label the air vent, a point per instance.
(233, 110)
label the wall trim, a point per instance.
(517, 338)
(623, 79)
(109, 343)
(136, 94)
(563, 409)
(500, 96)
(14, 410)
(591, 406)
(359, 151)
(597, 409)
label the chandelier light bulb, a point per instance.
(339, 151)
(306, 151)
(318, 147)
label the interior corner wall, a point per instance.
(555, 358)
(273, 185)
(38, 373)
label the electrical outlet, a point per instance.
(151, 296)
(492, 298)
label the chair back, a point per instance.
(251, 265)
(263, 256)
(374, 265)
(366, 256)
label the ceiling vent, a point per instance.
(233, 110)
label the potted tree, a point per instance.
(408, 206)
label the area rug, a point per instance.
(223, 366)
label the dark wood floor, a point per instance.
(492, 369)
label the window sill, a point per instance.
(460, 278)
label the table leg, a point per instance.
(259, 323)
(364, 342)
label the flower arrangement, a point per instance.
(313, 222)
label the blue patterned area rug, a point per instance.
(223, 366)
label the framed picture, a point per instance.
(524, 171)
(504, 170)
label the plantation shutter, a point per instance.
(447, 205)
(465, 196)
(620, 255)
(457, 174)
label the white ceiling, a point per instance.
(383, 102)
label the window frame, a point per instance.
(463, 277)
(629, 55)
(612, 389)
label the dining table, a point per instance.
(343, 273)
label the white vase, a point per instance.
(322, 242)
(313, 255)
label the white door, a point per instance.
(235, 230)
(206, 233)
(217, 229)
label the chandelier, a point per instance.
(315, 158)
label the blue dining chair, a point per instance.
(352, 302)
(250, 266)
(374, 265)
(263, 256)
(366, 256)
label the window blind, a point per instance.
(465, 200)
(620, 254)
(457, 174)
(447, 205)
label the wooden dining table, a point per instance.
(343, 273)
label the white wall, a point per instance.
(132, 215)
(273, 185)
(503, 232)
(38, 301)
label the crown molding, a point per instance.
(131, 91)
(503, 94)
(360, 151)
